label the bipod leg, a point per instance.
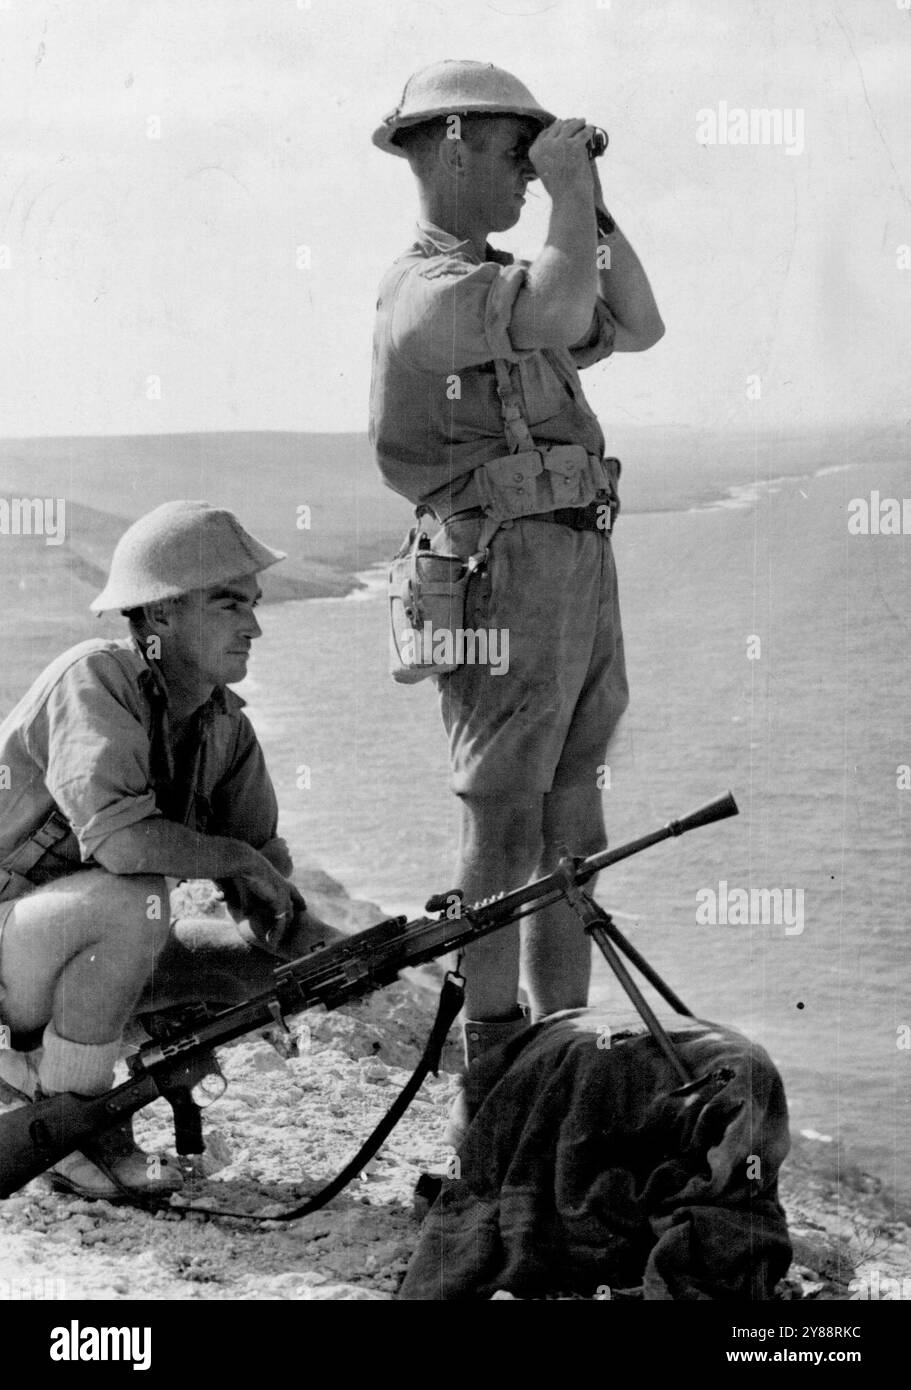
(598, 925)
(641, 964)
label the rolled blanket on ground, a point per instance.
(590, 1167)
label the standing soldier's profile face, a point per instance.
(497, 170)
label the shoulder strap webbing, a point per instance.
(515, 425)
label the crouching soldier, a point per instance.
(130, 766)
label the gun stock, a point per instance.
(35, 1137)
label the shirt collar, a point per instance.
(433, 237)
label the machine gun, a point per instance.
(34, 1137)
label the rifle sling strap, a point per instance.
(451, 998)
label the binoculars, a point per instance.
(597, 144)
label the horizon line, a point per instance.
(681, 427)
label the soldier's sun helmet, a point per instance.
(178, 547)
(454, 87)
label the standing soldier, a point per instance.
(478, 416)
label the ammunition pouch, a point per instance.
(542, 480)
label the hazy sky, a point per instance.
(130, 257)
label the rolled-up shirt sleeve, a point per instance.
(599, 341)
(451, 312)
(93, 748)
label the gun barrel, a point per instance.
(718, 809)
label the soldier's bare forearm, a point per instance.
(624, 287)
(556, 303)
(159, 846)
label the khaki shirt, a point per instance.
(443, 315)
(91, 738)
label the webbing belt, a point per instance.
(590, 518)
(16, 867)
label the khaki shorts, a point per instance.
(5, 910)
(546, 721)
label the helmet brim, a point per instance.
(384, 135)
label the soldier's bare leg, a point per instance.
(75, 956)
(78, 951)
(505, 842)
(500, 846)
(557, 954)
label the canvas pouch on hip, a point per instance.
(427, 598)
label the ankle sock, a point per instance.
(86, 1068)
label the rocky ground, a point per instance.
(283, 1127)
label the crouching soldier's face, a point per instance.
(205, 636)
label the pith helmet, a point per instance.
(178, 547)
(453, 87)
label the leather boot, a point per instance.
(115, 1155)
(486, 1045)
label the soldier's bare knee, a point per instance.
(503, 826)
(137, 911)
(573, 819)
(576, 839)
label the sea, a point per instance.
(768, 652)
